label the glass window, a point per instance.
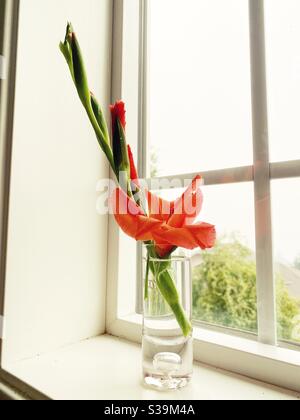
(199, 94)
(200, 119)
(224, 279)
(283, 63)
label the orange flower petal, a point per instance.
(130, 217)
(204, 234)
(120, 203)
(137, 227)
(188, 206)
(118, 113)
(158, 208)
(164, 249)
(133, 171)
(201, 235)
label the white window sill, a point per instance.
(107, 368)
(243, 356)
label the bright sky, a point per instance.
(200, 110)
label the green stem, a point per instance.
(182, 319)
(100, 137)
(166, 285)
(168, 290)
(147, 278)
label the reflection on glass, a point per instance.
(283, 63)
(200, 105)
(224, 279)
(286, 226)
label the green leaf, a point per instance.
(65, 49)
(80, 72)
(120, 150)
(100, 118)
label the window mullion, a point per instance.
(213, 177)
(283, 170)
(267, 325)
(143, 146)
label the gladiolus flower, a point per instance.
(133, 171)
(118, 113)
(169, 224)
(161, 228)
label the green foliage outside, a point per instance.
(288, 314)
(224, 291)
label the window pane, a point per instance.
(200, 102)
(224, 279)
(283, 59)
(286, 211)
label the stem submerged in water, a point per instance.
(168, 290)
(147, 278)
(162, 273)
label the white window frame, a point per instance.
(261, 359)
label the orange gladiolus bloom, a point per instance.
(169, 224)
(118, 112)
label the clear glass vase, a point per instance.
(167, 330)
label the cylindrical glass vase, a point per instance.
(167, 331)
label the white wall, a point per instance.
(57, 245)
